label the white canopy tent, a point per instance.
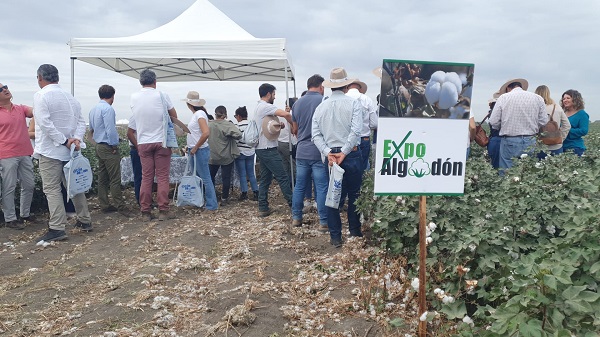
(218, 49)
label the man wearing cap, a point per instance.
(15, 159)
(308, 157)
(58, 125)
(336, 128)
(519, 115)
(103, 126)
(266, 150)
(357, 90)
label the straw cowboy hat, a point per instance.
(494, 97)
(338, 78)
(363, 86)
(524, 85)
(193, 98)
(378, 72)
(271, 127)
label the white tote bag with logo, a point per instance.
(190, 191)
(334, 191)
(78, 174)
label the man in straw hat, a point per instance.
(336, 128)
(357, 90)
(518, 115)
(266, 150)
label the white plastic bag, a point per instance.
(334, 191)
(190, 191)
(78, 174)
(170, 136)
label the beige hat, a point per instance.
(524, 85)
(378, 72)
(363, 86)
(338, 78)
(271, 127)
(494, 97)
(193, 98)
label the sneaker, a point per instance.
(53, 235)
(165, 215)
(109, 209)
(336, 243)
(85, 227)
(254, 196)
(243, 196)
(323, 228)
(224, 202)
(147, 216)
(296, 223)
(265, 213)
(31, 218)
(15, 225)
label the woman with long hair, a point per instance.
(557, 114)
(572, 103)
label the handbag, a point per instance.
(550, 133)
(78, 174)
(190, 191)
(334, 190)
(170, 137)
(481, 137)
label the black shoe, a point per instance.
(31, 219)
(15, 225)
(263, 214)
(224, 202)
(243, 196)
(336, 243)
(254, 196)
(296, 223)
(86, 227)
(53, 235)
(109, 209)
(356, 234)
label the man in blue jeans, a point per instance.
(308, 157)
(336, 128)
(266, 151)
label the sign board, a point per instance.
(423, 129)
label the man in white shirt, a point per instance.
(58, 125)
(148, 106)
(357, 90)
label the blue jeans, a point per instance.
(271, 165)
(365, 151)
(577, 150)
(304, 168)
(543, 155)
(514, 147)
(136, 166)
(245, 168)
(352, 165)
(202, 171)
(494, 151)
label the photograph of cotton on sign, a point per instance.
(420, 89)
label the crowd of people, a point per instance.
(517, 116)
(297, 146)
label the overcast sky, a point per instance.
(546, 42)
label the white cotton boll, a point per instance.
(432, 92)
(463, 78)
(453, 78)
(448, 96)
(429, 240)
(468, 320)
(439, 76)
(437, 290)
(432, 226)
(524, 155)
(423, 317)
(516, 179)
(415, 283)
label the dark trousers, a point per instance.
(271, 165)
(353, 168)
(225, 177)
(136, 166)
(365, 151)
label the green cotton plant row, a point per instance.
(517, 256)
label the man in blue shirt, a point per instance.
(104, 129)
(308, 157)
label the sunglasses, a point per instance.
(4, 87)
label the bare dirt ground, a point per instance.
(224, 273)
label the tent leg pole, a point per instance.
(287, 100)
(73, 76)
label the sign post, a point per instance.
(423, 136)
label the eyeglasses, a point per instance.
(4, 87)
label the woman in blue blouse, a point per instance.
(572, 104)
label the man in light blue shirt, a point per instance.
(336, 128)
(104, 129)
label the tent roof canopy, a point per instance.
(183, 50)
